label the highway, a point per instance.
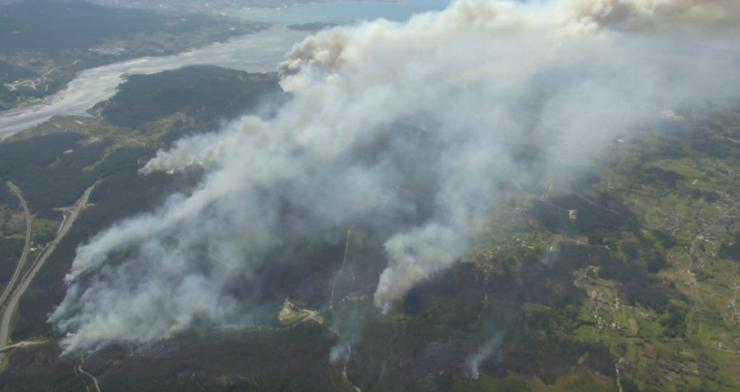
(26, 248)
(26, 343)
(71, 214)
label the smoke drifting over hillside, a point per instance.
(417, 130)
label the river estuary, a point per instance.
(259, 52)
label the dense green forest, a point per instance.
(55, 162)
(634, 292)
(205, 93)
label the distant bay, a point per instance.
(258, 52)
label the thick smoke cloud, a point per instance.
(418, 131)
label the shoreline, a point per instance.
(255, 26)
(260, 51)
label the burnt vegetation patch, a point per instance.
(451, 316)
(581, 213)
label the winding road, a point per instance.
(26, 248)
(92, 378)
(71, 214)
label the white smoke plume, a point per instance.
(418, 130)
(473, 362)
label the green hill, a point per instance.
(206, 93)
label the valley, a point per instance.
(622, 280)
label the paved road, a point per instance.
(94, 380)
(25, 343)
(71, 215)
(26, 248)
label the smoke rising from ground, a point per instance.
(416, 130)
(473, 362)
